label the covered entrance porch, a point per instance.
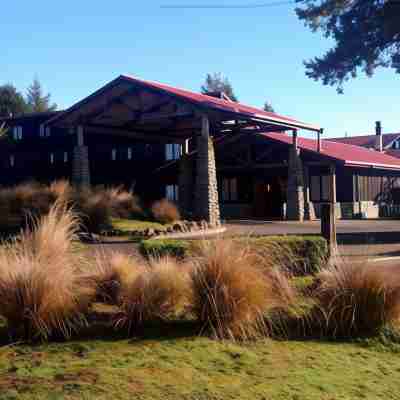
(157, 113)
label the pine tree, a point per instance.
(216, 82)
(366, 36)
(268, 107)
(12, 103)
(36, 100)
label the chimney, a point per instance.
(319, 141)
(378, 137)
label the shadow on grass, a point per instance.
(159, 331)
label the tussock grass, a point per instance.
(112, 273)
(41, 290)
(158, 293)
(234, 292)
(355, 300)
(165, 211)
(95, 206)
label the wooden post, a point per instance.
(328, 215)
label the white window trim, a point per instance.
(51, 158)
(173, 151)
(129, 153)
(12, 160)
(172, 192)
(113, 154)
(65, 156)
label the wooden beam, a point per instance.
(152, 136)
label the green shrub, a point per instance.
(165, 247)
(301, 255)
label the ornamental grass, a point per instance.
(234, 294)
(41, 289)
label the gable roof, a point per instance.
(231, 109)
(222, 104)
(348, 154)
(367, 140)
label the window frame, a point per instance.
(172, 192)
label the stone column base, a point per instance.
(80, 166)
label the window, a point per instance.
(17, 132)
(129, 153)
(41, 130)
(172, 151)
(48, 131)
(65, 156)
(172, 192)
(51, 158)
(12, 160)
(113, 154)
(229, 189)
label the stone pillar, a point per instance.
(186, 183)
(206, 191)
(295, 193)
(80, 161)
(309, 211)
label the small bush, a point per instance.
(232, 292)
(110, 274)
(355, 300)
(41, 290)
(301, 255)
(165, 211)
(164, 247)
(157, 293)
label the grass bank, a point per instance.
(174, 367)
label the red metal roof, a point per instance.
(223, 105)
(349, 154)
(367, 140)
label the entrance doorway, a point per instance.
(269, 196)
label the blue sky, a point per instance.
(75, 47)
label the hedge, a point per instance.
(302, 255)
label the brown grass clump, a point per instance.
(159, 292)
(93, 207)
(41, 291)
(165, 211)
(20, 203)
(111, 274)
(355, 300)
(123, 204)
(234, 292)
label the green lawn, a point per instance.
(163, 366)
